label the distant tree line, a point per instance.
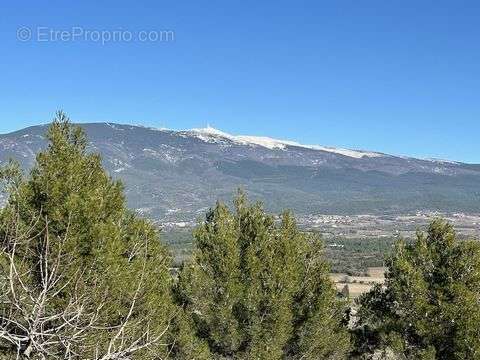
(82, 277)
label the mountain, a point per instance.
(176, 175)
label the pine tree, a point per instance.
(256, 289)
(81, 276)
(428, 308)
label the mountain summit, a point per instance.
(177, 174)
(210, 133)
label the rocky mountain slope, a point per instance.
(175, 175)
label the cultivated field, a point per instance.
(354, 286)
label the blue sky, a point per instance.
(402, 77)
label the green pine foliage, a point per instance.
(429, 306)
(256, 289)
(81, 276)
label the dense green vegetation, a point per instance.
(261, 290)
(350, 256)
(429, 307)
(82, 277)
(181, 244)
(355, 256)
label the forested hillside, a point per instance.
(175, 176)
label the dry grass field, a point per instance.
(354, 286)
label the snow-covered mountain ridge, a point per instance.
(188, 170)
(210, 134)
